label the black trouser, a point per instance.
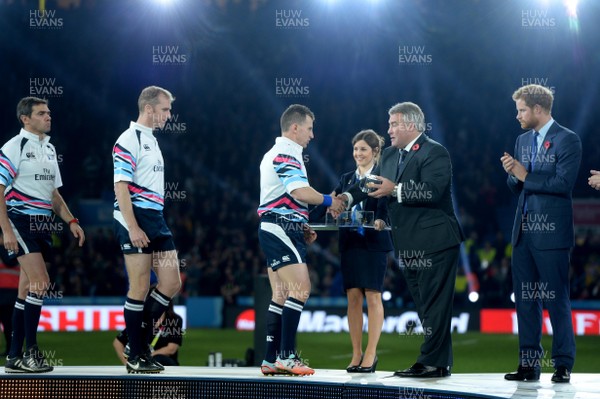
(431, 281)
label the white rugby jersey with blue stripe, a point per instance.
(137, 160)
(29, 171)
(281, 172)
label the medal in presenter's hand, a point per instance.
(365, 186)
(379, 186)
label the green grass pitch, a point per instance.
(473, 352)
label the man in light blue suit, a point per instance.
(542, 173)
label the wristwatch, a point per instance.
(395, 192)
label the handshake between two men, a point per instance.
(375, 186)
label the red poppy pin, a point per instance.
(546, 144)
(415, 147)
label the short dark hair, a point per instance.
(372, 139)
(149, 96)
(25, 107)
(295, 113)
(534, 95)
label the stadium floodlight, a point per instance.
(473, 296)
(571, 7)
(386, 295)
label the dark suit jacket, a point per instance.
(424, 222)
(378, 241)
(548, 188)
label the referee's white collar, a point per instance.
(285, 140)
(33, 136)
(144, 129)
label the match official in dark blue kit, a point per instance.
(542, 172)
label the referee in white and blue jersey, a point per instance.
(29, 183)
(139, 225)
(284, 198)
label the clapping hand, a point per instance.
(594, 179)
(513, 167)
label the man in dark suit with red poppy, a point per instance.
(542, 173)
(415, 175)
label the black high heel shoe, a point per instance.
(354, 369)
(370, 369)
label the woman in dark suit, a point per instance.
(364, 257)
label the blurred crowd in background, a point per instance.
(226, 117)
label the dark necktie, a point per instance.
(403, 153)
(534, 150)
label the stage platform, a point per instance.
(236, 383)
